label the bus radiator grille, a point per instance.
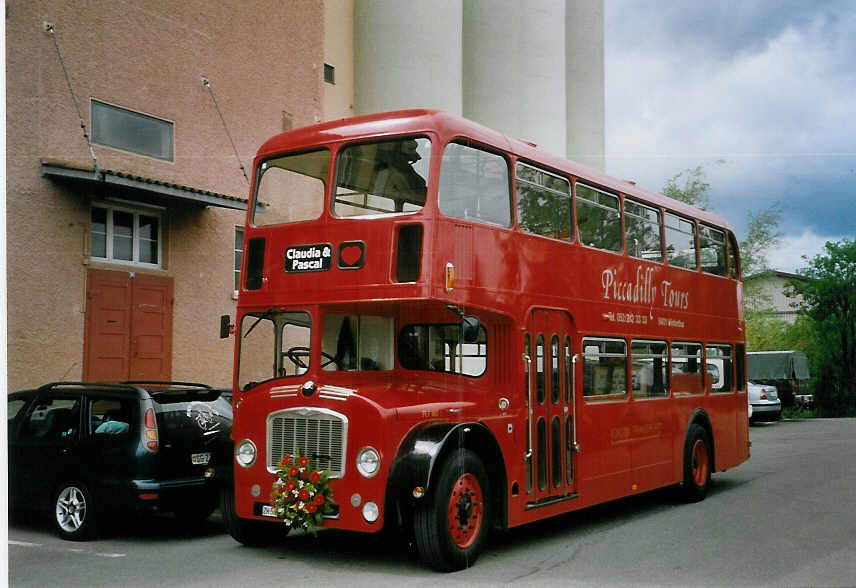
(320, 437)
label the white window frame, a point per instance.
(135, 245)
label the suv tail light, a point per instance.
(150, 430)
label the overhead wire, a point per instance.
(207, 83)
(50, 29)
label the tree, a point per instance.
(829, 297)
(695, 190)
(762, 235)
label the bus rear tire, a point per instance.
(697, 464)
(451, 526)
(249, 533)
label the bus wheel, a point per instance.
(697, 464)
(451, 525)
(249, 533)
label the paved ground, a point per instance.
(785, 518)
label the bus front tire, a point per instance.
(249, 533)
(697, 464)
(451, 525)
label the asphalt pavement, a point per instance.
(787, 517)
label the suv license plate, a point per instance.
(200, 458)
(267, 511)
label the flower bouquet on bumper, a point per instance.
(301, 495)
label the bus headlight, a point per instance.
(245, 453)
(368, 462)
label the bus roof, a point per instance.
(449, 126)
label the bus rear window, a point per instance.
(291, 188)
(438, 348)
(382, 178)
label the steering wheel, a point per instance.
(297, 353)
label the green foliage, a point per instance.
(798, 413)
(829, 298)
(694, 190)
(766, 333)
(762, 235)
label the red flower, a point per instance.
(304, 475)
(293, 471)
(303, 461)
(285, 460)
(311, 508)
(290, 486)
(303, 495)
(319, 499)
(314, 477)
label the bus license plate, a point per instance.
(200, 458)
(267, 511)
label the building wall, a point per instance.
(531, 69)
(585, 82)
(339, 52)
(407, 55)
(514, 69)
(772, 288)
(264, 61)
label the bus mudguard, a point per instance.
(426, 446)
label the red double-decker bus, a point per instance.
(466, 333)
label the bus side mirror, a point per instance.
(470, 325)
(225, 326)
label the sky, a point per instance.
(760, 93)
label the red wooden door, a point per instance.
(151, 328)
(128, 332)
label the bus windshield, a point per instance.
(273, 345)
(382, 178)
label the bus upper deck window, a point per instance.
(385, 177)
(543, 203)
(291, 188)
(643, 231)
(680, 242)
(733, 257)
(712, 250)
(598, 218)
(474, 185)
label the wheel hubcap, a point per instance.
(466, 510)
(70, 509)
(700, 463)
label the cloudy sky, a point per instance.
(761, 93)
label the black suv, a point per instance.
(85, 450)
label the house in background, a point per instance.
(770, 286)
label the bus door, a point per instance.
(551, 464)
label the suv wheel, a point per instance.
(74, 512)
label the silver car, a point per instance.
(765, 403)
